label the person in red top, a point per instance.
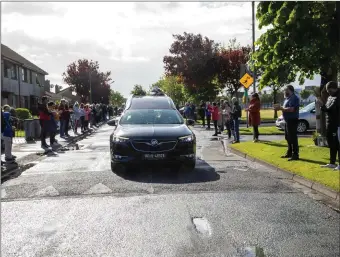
(254, 115)
(44, 116)
(215, 117)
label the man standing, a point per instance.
(290, 112)
(62, 118)
(202, 113)
(331, 108)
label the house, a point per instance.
(51, 95)
(69, 95)
(22, 82)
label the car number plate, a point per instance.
(157, 156)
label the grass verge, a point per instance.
(263, 131)
(311, 157)
(266, 115)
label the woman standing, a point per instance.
(220, 119)
(82, 117)
(254, 115)
(215, 117)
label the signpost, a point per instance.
(246, 81)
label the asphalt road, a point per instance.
(73, 205)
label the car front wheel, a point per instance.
(302, 126)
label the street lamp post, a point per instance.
(90, 87)
(253, 25)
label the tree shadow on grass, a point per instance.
(272, 143)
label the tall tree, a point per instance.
(116, 98)
(171, 86)
(305, 35)
(82, 75)
(230, 61)
(193, 59)
(138, 90)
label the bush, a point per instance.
(23, 113)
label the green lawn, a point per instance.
(311, 157)
(263, 131)
(266, 115)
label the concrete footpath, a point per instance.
(30, 152)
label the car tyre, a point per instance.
(302, 126)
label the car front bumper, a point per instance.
(125, 154)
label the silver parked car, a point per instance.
(307, 119)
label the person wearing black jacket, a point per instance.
(236, 114)
(201, 112)
(332, 110)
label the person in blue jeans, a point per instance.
(290, 113)
(7, 134)
(236, 114)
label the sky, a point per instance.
(129, 39)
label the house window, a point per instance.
(31, 80)
(37, 80)
(24, 75)
(8, 66)
(14, 72)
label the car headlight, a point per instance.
(186, 139)
(120, 139)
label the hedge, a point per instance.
(23, 113)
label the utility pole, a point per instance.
(253, 23)
(90, 87)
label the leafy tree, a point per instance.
(83, 75)
(193, 60)
(230, 62)
(116, 98)
(305, 94)
(304, 35)
(171, 86)
(138, 90)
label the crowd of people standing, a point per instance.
(225, 115)
(78, 116)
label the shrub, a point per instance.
(23, 113)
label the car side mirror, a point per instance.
(112, 123)
(312, 111)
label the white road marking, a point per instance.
(3, 193)
(202, 226)
(98, 189)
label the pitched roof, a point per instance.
(14, 56)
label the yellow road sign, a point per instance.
(246, 80)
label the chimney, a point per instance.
(57, 89)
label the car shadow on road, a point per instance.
(202, 173)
